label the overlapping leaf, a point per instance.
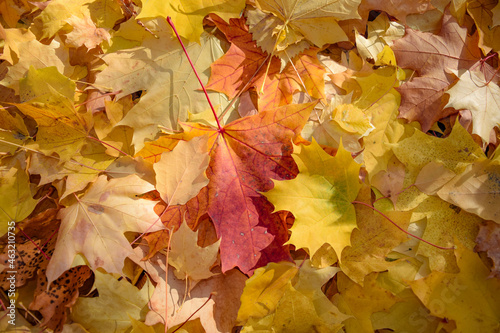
(287, 27)
(90, 225)
(320, 197)
(150, 67)
(433, 57)
(243, 66)
(245, 157)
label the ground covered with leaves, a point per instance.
(345, 176)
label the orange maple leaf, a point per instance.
(242, 68)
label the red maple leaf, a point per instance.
(245, 155)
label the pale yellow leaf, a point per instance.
(482, 98)
(190, 260)
(94, 225)
(180, 174)
(118, 301)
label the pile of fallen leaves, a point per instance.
(347, 178)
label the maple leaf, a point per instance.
(192, 212)
(285, 27)
(320, 198)
(361, 301)
(381, 32)
(243, 63)
(16, 201)
(327, 131)
(115, 137)
(380, 101)
(85, 33)
(496, 15)
(188, 15)
(70, 113)
(455, 152)
(180, 174)
(282, 295)
(13, 39)
(372, 241)
(93, 226)
(444, 224)
(482, 98)
(13, 132)
(390, 182)
(62, 294)
(11, 10)
(432, 177)
(149, 67)
(54, 17)
(466, 297)
(236, 206)
(152, 150)
(408, 314)
(483, 14)
(475, 190)
(215, 301)
(398, 8)
(49, 102)
(118, 301)
(304, 72)
(82, 169)
(190, 260)
(31, 254)
(431, 56)
(32, 53)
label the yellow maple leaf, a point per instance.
(455, 152)
(483, 14)
(361, 301)
(352, 119)
(32, 53)
(372, 240)
(48, 97)
(188, 15)
(320, 198)
(469, 297)
(55, 16)
(180, 174)
(444, 223)
(118, 303)
(83, 168)
(286, 298)
(286, 27)
(190, 260)
(149, 67)
(16, 201)
(380, 101)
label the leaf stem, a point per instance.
(170, 232)
(36, 245)
(169, 20)
(397, 226)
